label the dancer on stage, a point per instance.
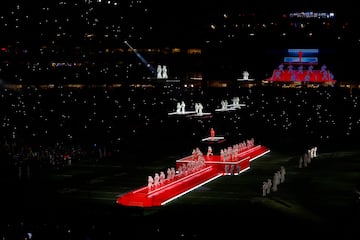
(182, 104)
(209, 152)
(246, 75)
(212, 133)
(150, 182)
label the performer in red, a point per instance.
(212, 133)
(300, 56)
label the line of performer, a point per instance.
(199, 108)
(300, 74)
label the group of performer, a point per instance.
(197, 163)
(306, 158)
(191, 166)
(235, 103)
(294, 75)
(231, 153)
(160, 179)
(197, 154)
(180, 107)
(272, 185)
(198, 107)
(224, 104)
(162, 72)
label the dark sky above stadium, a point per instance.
(190, 15)
(178, 19)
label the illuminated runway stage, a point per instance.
(181, 184)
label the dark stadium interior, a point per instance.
(84, 119)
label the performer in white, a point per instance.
(312, 152)
(309, 154)
(162, 177)
(246, 75)
(156, 180)
(200, 109)
(306, 159)
(269, 185)
(173, 172)
(168, 172)
(159, 72)
(164, 72)
(223, 104)
(150, 182)
(178, 107)
(196, 107)
(264, 187)
(209, 152)
(182, 106)
(234, 101)
(275, 182)
(282, 172)
(222, 157)
(237, 101)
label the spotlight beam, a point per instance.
(142, 59)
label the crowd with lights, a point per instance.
(100, 122)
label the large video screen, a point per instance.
(302, 56)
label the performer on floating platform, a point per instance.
(212, 133)
(159, 72)
(178, 107)
(164, 72)
(246, 75)
(182, 104)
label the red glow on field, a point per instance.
(181, 184)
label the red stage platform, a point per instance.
(212, 168)
(315, 77)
